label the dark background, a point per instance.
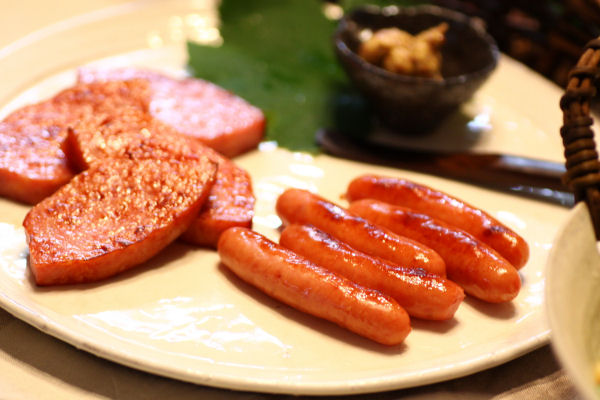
(546, 35)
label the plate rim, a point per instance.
(59, 331)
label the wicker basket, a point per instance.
(582, 165)
(545, 35)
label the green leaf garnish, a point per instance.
(279, 56)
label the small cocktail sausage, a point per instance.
(294, 280)
(478, 268)
(443, 207)
(422, 295)
(297, 206)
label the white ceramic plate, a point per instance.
(184, 316)
(573, 300)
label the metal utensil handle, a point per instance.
(582, 174)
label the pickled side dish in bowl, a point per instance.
(400, 52)
(410, 103)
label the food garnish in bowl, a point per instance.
(398, 51)
(417, 101)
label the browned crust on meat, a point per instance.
(33, 163)
(114, 216)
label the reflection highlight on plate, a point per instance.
(480, 122)
(187, 321)
(13, 251)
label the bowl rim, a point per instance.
(388, 11)
(577, 229)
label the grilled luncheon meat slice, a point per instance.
(114, 216)
(135, 134)
(230, 204)
(194, 107)
(33, 164)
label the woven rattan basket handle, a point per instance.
(582, 165)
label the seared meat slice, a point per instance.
(134, 134)
(33, 164)
(113, 216)
(194, 107)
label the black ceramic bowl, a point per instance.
(415, 104)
